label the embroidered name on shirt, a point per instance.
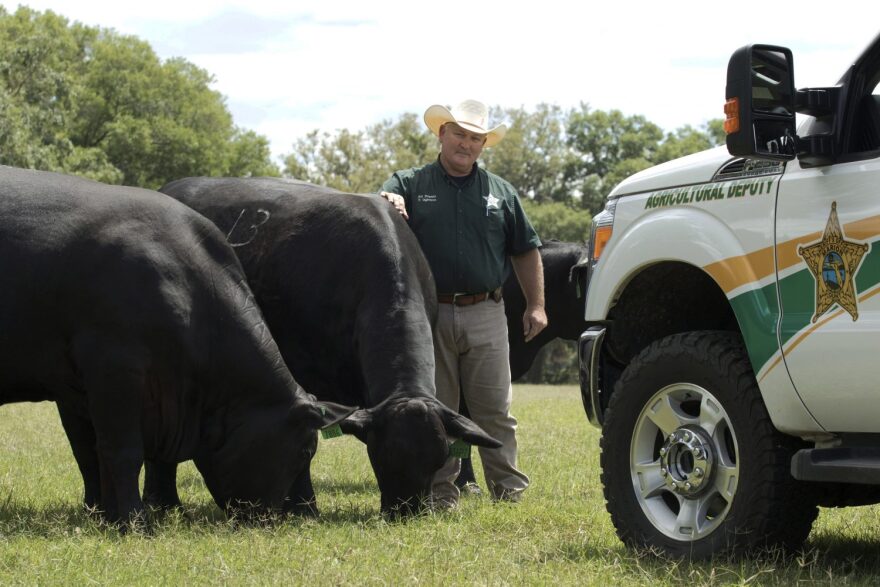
(426, 198)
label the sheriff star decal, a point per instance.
(833, 261)
(491, 202)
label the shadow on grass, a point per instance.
(64, 520)
(367, 486)
(346, 516)
(824, 558)
(347, 487)
(856, 555)
(24, 520)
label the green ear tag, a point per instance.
(460, 449)
(331, 431)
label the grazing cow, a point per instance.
(351, 301)
(132, 312)
(565, 289)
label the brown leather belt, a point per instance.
(469, 299)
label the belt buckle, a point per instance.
(455, 297)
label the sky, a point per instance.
(289, 67)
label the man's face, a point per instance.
(459, 148)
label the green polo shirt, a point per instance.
(467, 233)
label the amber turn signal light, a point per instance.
(603, 235)
(731, 113)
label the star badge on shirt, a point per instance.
(491, 202)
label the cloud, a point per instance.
(228, 32)
(238, 31)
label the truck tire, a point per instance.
(691, 463)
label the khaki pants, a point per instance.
(472, 354)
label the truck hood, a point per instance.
(692, 169)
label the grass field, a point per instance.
(559, 534)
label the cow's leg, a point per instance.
(466, 481)
(160, 485)
(301, 500)
(120, 451)
(81, 435)
(114, 380)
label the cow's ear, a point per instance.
(358, 424)
(579, 274)
(457, 426)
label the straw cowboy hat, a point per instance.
(469, 115)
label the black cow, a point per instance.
(132, 313)
(351, 301)
(565, 290)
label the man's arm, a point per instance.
(530, 273)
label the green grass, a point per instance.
(559, 534)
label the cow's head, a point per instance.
(408, 440)
(252, 455)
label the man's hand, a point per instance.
(396, 201)
(530, 273)
(534, 321)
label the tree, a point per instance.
(335, 161)
(687, 140)
(401, 144)
(557, 220)
(89, 101)
(605, 147)
(360, 162)
(533, 153)
(250, 155)
(37, 86)
(561, 164)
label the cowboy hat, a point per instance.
(469, 115)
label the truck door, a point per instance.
(828, 269)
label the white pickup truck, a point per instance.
(733, 354)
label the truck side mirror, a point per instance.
(760, 107)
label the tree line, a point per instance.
(562, 162)
(89, 101)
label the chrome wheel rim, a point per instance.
(684, 462)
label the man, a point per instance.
(472, 228)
